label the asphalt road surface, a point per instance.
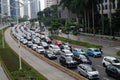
(44, 68)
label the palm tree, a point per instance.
(110, 15)
(102, 16)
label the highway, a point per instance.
(42, 67)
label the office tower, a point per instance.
(106, 7)
(48, 3)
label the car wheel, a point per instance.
(87, 77)
(104, 65)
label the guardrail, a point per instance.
(69, 72)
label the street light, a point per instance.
(1, 23)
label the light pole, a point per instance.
(2, 25)
(20, 62)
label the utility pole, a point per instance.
(20, 64)
(2, 25)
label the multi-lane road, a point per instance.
(42, 67)
(56, 74)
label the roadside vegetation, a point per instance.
(11, 62)
(84, 44)
(118, 53)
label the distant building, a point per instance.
(12, 8)
(34, 8)
(5, 8)
(106, 7)
(48, 3)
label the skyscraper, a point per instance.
(5, 8)
(34, 8)
(12, 8)
(48, 3)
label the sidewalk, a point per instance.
(110, 47)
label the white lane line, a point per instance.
(100, 66)
(105, 78)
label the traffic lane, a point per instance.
(97, 63)
(38, 64)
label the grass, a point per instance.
(118, 53)
(11, 62)
(85, 44)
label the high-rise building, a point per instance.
(106, 7)
(48, 3)
(34, 8)
(12, 8)
(5, 8)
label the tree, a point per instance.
(116, 21)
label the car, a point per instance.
(29, 44)
(40, 49)
(57, 42)
(66, 52)
(110, 60)
(65, 47)
(34, 46)
(88, 71)
(77, 51)
(54, 48)
(82, 58)
(66, 43)
(113, 71)
(44, 44)
(67, 61)
(49, 54)
(94, 52)
(24, 41)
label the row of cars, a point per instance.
(68, 56)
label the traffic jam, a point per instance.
(88, 62)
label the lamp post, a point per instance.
(20, 62)
(2, 25)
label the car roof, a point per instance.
(110, 57)
(77, 48)
(84, 65)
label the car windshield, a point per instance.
(83, 57)
(118, 66)
(116, 61)
(90, 68)
(80, 50)
(96, 50)
(69, 59)
(55, 47)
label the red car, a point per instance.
(57, 42)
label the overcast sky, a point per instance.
(42, 4)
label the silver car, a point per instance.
(88, 71)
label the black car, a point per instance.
(67, 61)
(113, 71)
(82, 58)
(49, 54)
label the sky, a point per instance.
(42, 4)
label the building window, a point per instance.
(106, 7)
(105, 0)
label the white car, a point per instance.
(88, 71)
(40, 49)
(110, 60)
(67, 52)
(54, 48)
(34, 46)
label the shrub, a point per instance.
(118, 53)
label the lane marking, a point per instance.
(100, 66)
(105, 78)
